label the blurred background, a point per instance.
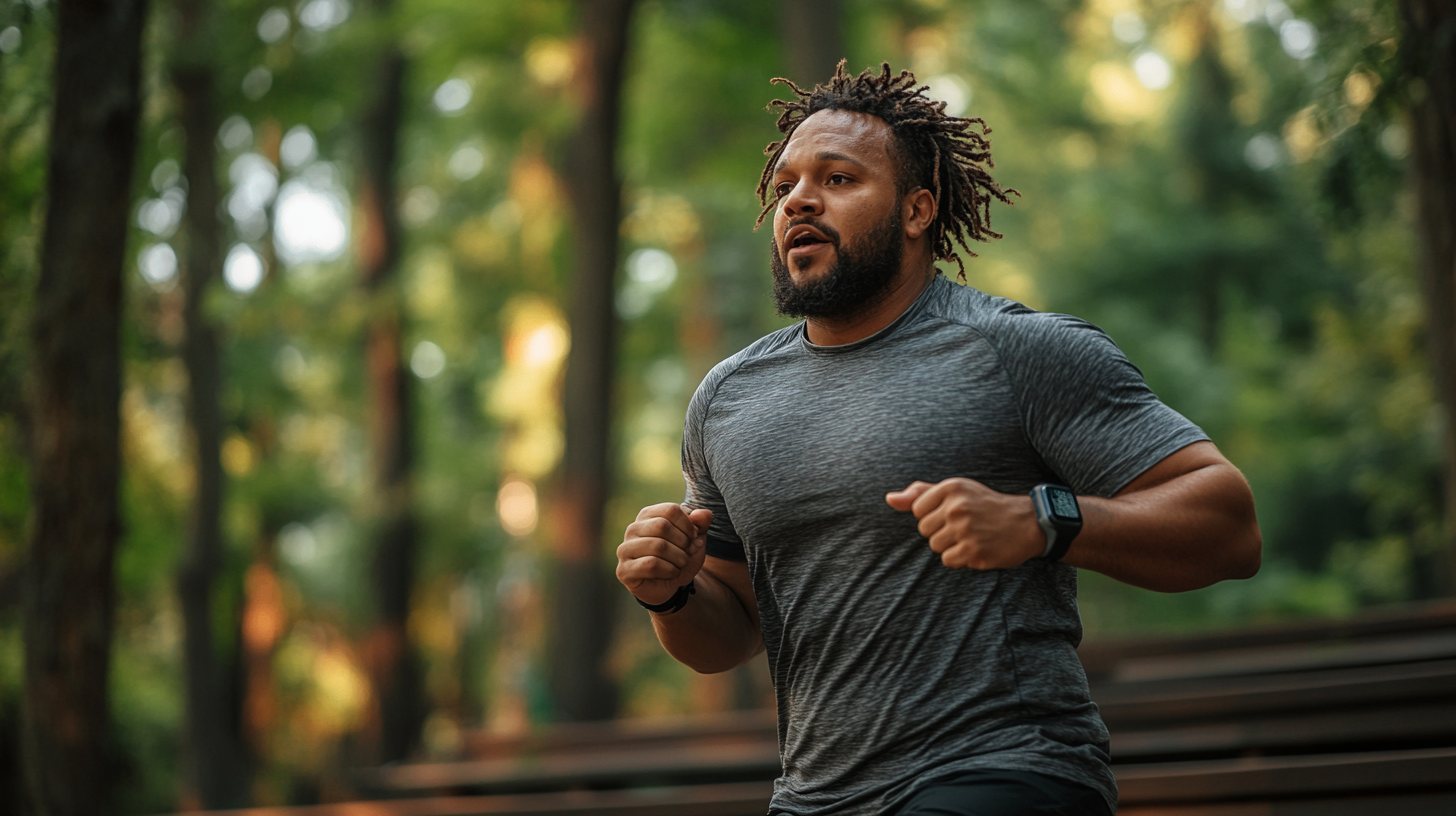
(397, 375)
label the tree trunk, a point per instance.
(393, 661)
(1430, 32)
(75, 391)
(813, 34)
(212, 758)
(583, 597)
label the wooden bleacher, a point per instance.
(1342, 718)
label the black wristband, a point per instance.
(678, 600)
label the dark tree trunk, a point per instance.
(1430, 31)
(75, 390)
(212, 756)
(394, 664)
(583, 596)
(813, 33)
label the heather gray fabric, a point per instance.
(891, 670)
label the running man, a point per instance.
(893, 496)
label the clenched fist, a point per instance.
(971, 525)
(662, 550)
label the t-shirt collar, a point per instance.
(905, 317)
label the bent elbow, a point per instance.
(1249, 555)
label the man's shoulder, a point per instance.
(763, 347)
(1010, 326)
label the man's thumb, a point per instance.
(701, 517)
(903, 500)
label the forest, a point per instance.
(340, 339)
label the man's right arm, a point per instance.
(665, 548)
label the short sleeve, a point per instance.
(1085, 407)
(702, 492)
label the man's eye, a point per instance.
(838, 179)
(783, 189)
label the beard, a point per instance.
(859, 280)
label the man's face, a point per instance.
(838, 231)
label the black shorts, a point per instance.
(1005, 793)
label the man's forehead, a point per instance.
(839, 134)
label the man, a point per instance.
(859, 488)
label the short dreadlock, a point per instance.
(942, 154)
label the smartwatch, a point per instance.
(1059, 516)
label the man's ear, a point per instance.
(918, 212)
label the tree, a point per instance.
(584, 597)
(395, 665)
(213, 758)
(1430, 31)
(813, 39)
(75, 385)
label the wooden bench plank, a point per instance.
(751, 760)
(724, 726)
(1383, 727)
(1255, 778)
(737, 799)
(1421, 804)
(1100, 658)
(1285, 658)
(1165, 702)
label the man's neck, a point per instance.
(905, 290)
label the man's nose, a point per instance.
(801, 200)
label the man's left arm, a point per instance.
(1185, 523)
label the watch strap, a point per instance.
(678, 600)
(1058, 542)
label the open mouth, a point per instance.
(804, 238)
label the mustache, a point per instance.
(829, 232)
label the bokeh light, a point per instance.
(1298, 38)
(309, 222)
(165, 174)
(242, 270)
(257, 82)
(322, 15)
(235, 133)
(428, 360)
(452, 96)
(158, 265)
(274, 25)
(466, 162)
(255, 182)
(952, 90)
(516, 507)
(1263, 151)
(1152, 70)
(420, 206)
(1128, 27)
(298, 148)
(160, 216)
(650, 272)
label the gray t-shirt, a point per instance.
(892, 670)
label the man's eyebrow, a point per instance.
(826, 155)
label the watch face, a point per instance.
(1064, 503)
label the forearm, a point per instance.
(1183, 533)
(713, 633)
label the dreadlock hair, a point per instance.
(940, 153)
